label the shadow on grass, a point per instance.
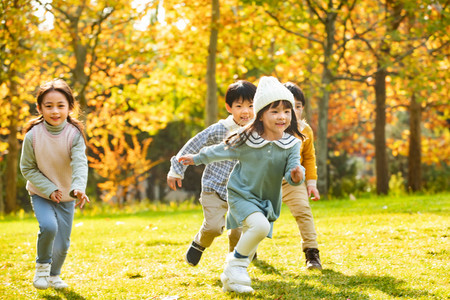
(329, 284)
(64, 294)
(265, 267)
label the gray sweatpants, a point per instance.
(55, 226)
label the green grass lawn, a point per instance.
(377, 248)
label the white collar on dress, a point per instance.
(256, 141)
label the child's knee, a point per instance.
(48, 229)
(259, 225)
(214, 230)
(263, 229)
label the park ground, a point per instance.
(371, 248)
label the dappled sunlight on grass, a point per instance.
(368, 252)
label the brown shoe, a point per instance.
(312, 259)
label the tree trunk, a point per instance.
(2, 199)
(415, 154)
(80, 79)
(13, 151)
(327, 79)
(322, 140)
(211, 110)
(381, 169)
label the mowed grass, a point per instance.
(374, 248)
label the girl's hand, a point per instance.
(82, 198)
(186, 159)
(296, 174)
(173, 182)
(56, 196)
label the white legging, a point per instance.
(255, 228)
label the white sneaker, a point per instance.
(57, 283)
(236, 270)
(40, 280)
(234, 287)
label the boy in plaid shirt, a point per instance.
(213, 198)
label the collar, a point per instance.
(230, 124)
(55, 129)
(301, 124)
(256, 141)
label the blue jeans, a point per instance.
(55, 226)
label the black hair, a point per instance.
(296, 91)
(238, 139)
(241, 89)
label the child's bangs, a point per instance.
(284, 103)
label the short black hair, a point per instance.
(240, 89)
(296, 91)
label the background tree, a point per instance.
(211, 94)
(325, 22)
(17, 77)
(140, 66)
(382, 31)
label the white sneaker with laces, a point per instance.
(40, 280)
(57, 283)
(236, 270)
(234, 287)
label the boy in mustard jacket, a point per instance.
(297, 197)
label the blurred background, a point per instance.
(149, 75)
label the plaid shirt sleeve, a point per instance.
(212, 135)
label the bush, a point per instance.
(343, 177)
(436, 178)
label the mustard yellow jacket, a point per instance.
(308, 154)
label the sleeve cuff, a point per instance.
(173, 174)
(311, 182)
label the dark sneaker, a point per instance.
(194, 254)
(312, 259)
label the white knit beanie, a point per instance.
(270, 90)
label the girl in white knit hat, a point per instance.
(55, 165)
(266, 151)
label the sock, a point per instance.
(237, 255)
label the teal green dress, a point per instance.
(255, 182)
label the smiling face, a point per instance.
(276, 120)
(54, 108)
(242, 111)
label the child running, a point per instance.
(267, 151)
(55, 165)
(213, 198)
(297, 197)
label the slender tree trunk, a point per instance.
(393, 19)
(327, 79)
(211, 110)
(415, 152)
(309, 86)
(80, 79)
(322, 139)
(381, 169)
(2, 199)
(13, 151)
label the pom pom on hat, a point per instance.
(270, 90)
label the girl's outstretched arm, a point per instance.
(297, 174)
(186, 159)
